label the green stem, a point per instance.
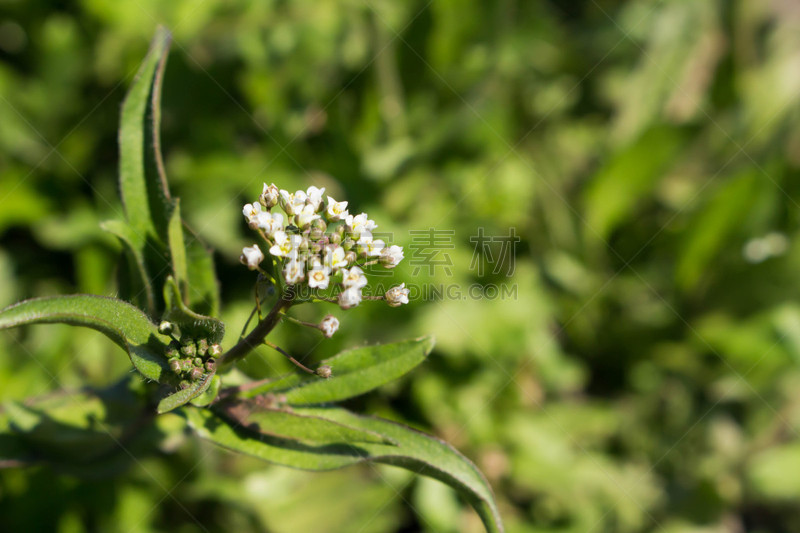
(262, 329)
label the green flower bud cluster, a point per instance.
(191, 359)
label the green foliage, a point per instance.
(644, 374)
(187, 369)
(121, 322)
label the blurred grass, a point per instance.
(644, 377)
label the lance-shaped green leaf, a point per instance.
(360, 370)
(203, 290)
(123, 323)
(143, 185)
(286, 424)
(156, 231)
(195, 325)
(184, 396)
(192, 266)
(414, 451)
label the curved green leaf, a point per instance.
(184, 396)
(203, 290)
(142, 184)
(414, 451)
(210, 394)
(123, 323)
(360, 370)
(287, 424)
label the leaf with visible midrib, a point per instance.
(123, 323)
(355, 372)
(413, 450)
(155, 236)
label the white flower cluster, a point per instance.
(317, 241)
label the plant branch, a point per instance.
(262, 329)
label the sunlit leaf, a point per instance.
(120, 321)
(414, 451)
(284, 423)
(355, 372)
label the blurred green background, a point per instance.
(640, 373)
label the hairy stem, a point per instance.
(262, 329)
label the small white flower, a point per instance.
(349, 298)
(318, 277)
(391, 256)
(292, 204)
(270, 222)
(353, 277)
(336, 210)
(359, 223)
(294, 271)
(284, 244)
(269, 195)
(314, 196)
(251, 212)
(368, 246)
(334, 258)
(396, 296)
(306, 216)
(329, 325)
(251, 256)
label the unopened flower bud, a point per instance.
(165, 328)
(211, 365)
(397, 296)
(189, 350)
(391, 256)
(251, 256)
(329, 325)
(324, 371)
(202, 347)
(315, 247)
(350, 257)
(175, 366)
(198, 362)
(348, 244)
(184, 384)
(320, 225)
(335, 238)
(172, 353)
(316, 234)
(186, 364)
(269, 196)
(195, 374)
(214, 350)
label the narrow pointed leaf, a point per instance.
(360, 370)
(184, 396)
(177, 248)
(426, 455)
(142, 184)
(285, 424)
(123, 323)
(203, 290)
(414, 451)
